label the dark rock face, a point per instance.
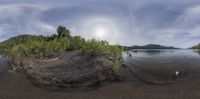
(71, 70)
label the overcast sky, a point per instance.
(127, 22)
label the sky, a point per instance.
(126, 22)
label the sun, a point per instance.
(100, 29)
(100, 32)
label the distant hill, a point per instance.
(18, 38)
(151, 46)
(196, 47)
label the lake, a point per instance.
(3, 63)
(163, 65)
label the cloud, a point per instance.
(22, 18)
(132, 22)
(166, 23)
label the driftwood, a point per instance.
(49, 60)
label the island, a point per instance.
(63, 60)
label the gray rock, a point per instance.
(73, 69)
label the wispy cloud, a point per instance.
(18, 19)
(130, 22)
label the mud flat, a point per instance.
(18, 86)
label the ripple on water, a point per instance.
(160, 66)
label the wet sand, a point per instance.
(18, 86)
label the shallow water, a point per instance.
(3, 63)
(162, 64)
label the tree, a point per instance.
(63, 32)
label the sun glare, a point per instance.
(101, 29)
(100, 32)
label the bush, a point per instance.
(94, 47)
(112, 54)
(40, 47)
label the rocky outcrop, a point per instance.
(72, 69)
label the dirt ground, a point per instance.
(18, 86)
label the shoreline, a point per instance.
(18, 86)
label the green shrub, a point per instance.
(40, 47)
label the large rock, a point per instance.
(72, 69)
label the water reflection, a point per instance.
(150, 51)
(162, 65)
(197, 51)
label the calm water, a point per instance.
(3, 63)
(162, 65)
